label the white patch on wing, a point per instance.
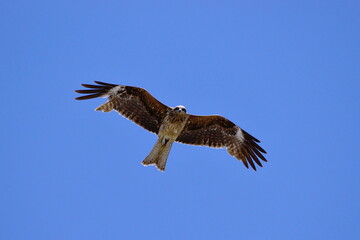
(114, 91)
(240, 135)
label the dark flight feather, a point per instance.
(216, 131)
(134, 103)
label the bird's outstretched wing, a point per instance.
(134, 103)
(218, 132)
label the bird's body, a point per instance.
(176, 121)
(169, 131)
(174, 124)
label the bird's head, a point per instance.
(180, 109)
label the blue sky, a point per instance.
(285, 71)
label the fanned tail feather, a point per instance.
(159, 154)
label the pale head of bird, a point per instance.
(180, 109)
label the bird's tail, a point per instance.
(159, 153)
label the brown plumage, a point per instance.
(174, 124)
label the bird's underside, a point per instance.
(175, 125)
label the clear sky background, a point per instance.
(288, 72)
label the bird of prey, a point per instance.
(174, 124)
